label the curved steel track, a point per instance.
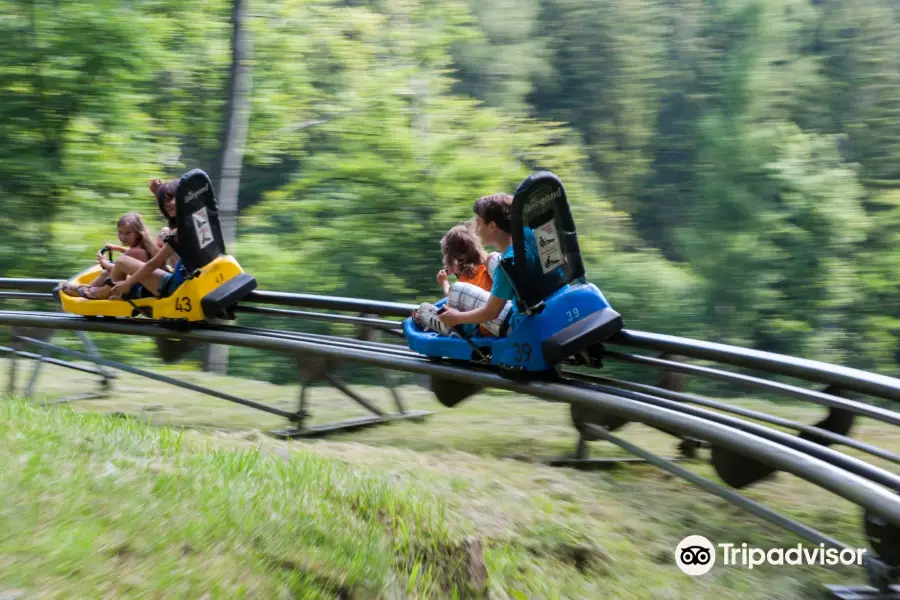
(807, 456)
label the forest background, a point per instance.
(733, 165)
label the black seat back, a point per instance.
(541, 206)
(197, 219)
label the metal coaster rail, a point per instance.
(809, 370)
(852, 487)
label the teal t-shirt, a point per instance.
(502, 287)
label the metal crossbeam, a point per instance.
(45, 358)
(378, 416)
(164, 379)
(300, 430)
(348, 425)
(863, 592)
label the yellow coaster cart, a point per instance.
(214, 282)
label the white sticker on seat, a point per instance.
(547, 241)
(204, 231)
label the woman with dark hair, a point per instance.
(165, 198)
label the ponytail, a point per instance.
(164, 191)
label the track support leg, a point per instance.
(881, 587)
(325, 371)
(95, 355)
(388, 380)
(45, 357)
(36, 371)
(580, 459)
(339, 384)
(13, 368)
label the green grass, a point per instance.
(187, 497)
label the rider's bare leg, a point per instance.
(127, 265)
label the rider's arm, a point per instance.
(442, 280)
(488, 312)
(158, 260)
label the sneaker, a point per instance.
(426, 317)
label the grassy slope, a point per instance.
(91, 505)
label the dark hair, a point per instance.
(496, 208)
(462, 251)
(164, 191)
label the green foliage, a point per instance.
(816, 233)
(862, 48)
(507, 54)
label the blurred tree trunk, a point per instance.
(234, 139)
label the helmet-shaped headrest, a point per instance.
(197, 219)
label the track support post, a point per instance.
(882, 571)
(312, 370)
(586, 420)
(13, 368)
(45, 357)
(881, 587)
(580, 459)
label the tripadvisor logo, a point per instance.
(695, 555)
